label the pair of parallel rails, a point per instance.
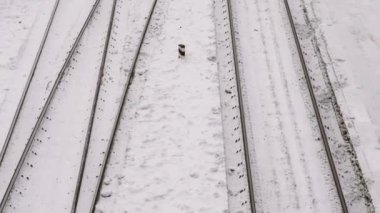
(317, 113)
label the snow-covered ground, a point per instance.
(168, 152)
(347, 31)
(60, 136)
(178, 147)
(22, 27)
(62, 34)
(290, 167)
(127, 28)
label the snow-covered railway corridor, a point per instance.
(112, 118)
(290, 168)
(56, 147)
(168, 150)
(289, 162)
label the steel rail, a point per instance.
(316, 111)
(93, 110)
(27, 85)
(241, 109)
(45, 108)
(119, 112)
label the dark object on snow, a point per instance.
(181, 50)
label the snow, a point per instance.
(237, 180)
(290, 166)
(179, 146)
(62, 34)
(118, 63)
(61, 134)
(352, 41)
(23, 22)
(168, 152)
(343, 59)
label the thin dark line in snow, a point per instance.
(27, 85)
(45, 108)
(93, 110)
(241, 109)
(119, 112)
(317, 113)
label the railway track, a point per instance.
(313, 100)
(93, 110)
(122, 103)
(46, 105)
(316, 111)
(119, 113)
(27, 85)
(241, 107)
